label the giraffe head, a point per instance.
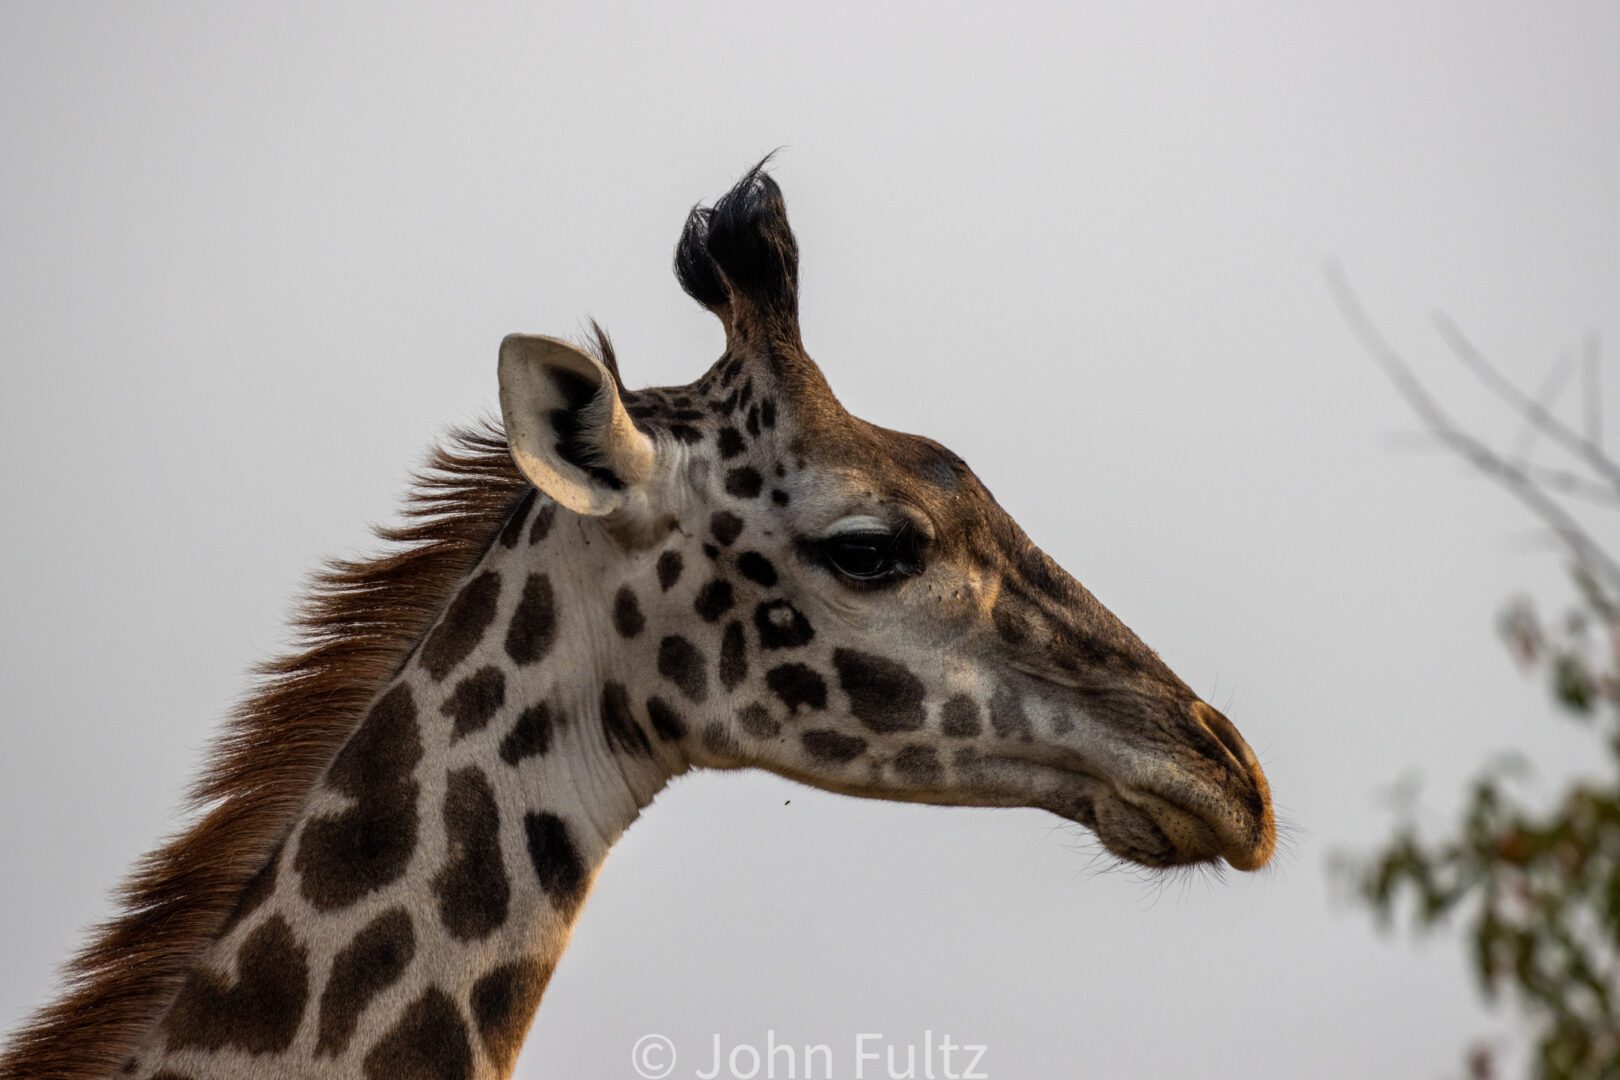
(796, 589)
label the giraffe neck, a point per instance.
(410, 920)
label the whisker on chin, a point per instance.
(1100, 862)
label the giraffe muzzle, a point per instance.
(1212, 800)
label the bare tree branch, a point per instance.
(1554, 428)
(1572, 484)
(1472, 450)
(1546, 394)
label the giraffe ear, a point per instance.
(567, 428)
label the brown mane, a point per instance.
(356, 624)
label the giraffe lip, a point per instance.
(1204, 825)
(1195, 814)
(1156, 828)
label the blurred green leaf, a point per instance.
(1539, 889)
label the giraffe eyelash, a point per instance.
(869, 555)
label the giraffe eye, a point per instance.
(862, 556)
(873, 557)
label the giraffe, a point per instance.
(399, 829)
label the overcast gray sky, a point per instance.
(255, 257)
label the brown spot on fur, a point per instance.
(476, 700)
(744, 483)
(833, 746)
(385, 749)
(670, 565)
(463, 625)
(472, 887)
(543, 522)
(530, 736)
(666, 722)
(726, 527)
(756, 720)
(556, 860)
(260, 1011)
(782, 626)
(342, 857)
(1009, 623)
(681, 663)
(503, 1003)
(883, 694)
(960, 718)
(627, 616)
(733, 656)
(1007, 716)
(919, 765)
(798, 686)
(714, 600)
(429, 1043)
(514, 524)
(361, 970)
(534, 624)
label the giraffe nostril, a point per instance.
(1226, 734)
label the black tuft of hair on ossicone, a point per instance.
(741, 252)
(694, 269)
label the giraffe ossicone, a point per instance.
(735, 573)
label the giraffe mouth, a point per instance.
(1155, 831)
(1183, 819)
(1198, 797)
(1172, 818)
